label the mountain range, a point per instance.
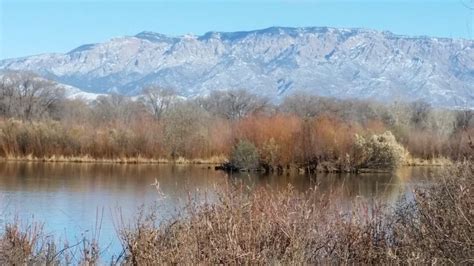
(273, 62)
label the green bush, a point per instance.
(245, 155)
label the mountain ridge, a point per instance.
(274, 62)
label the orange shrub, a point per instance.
(332, 137)
(280, 128)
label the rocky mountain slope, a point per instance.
(342, 63)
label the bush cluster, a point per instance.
(245, 156)
(303, 129)
(379, 151)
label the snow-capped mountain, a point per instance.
(74, 93)
(342, 63)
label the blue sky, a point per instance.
(31, 27)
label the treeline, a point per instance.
(39, 121)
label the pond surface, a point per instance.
(71, 198)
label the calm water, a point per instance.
(67, 197)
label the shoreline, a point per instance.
(211, 162)
(216, 160)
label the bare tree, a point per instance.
(115, 107)
(75, 111)
(185, 127)
(233, 104)
(157, 100)
(306, 105)
(301, 104)
(26, 96)
(442, 122)
(464, 120)
(420, 113)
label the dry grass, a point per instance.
(441, 161)
(212, 160)
(30, 245)
(288, 228)
(120, 160)
(437, 226)
(297, 228)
